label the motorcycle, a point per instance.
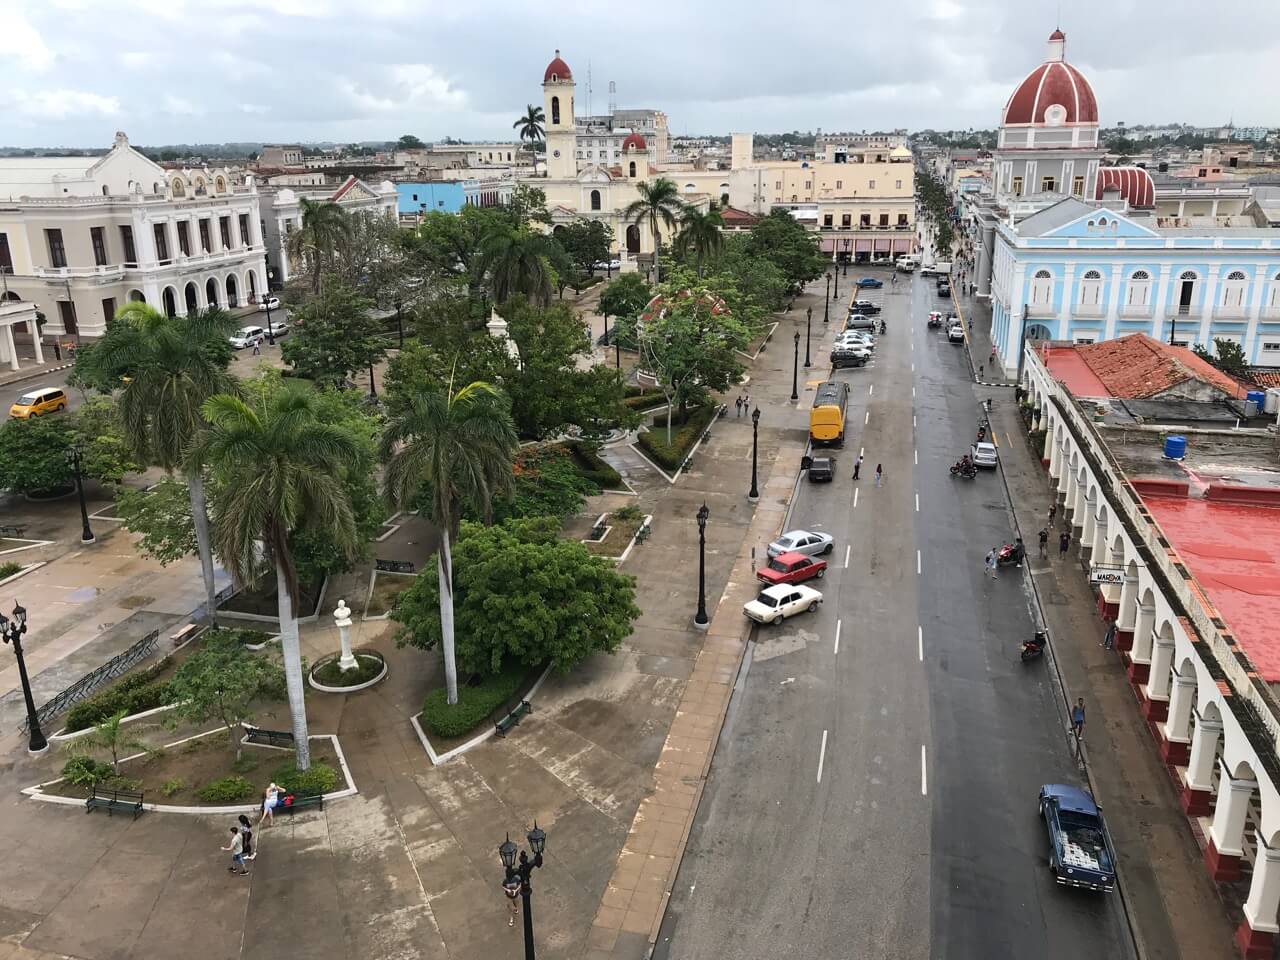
(982, 434)
(1034, 647)
(965, 470)
(884, 327)
(1010, 555)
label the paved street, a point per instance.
(864, 783)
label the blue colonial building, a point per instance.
(1070, 250)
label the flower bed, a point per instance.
(134, 693)
(477, 703)
(370, 664)
(671, 456)
(622, 526)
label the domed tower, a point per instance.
(635, 157)
(557, 106)
(1048, 142)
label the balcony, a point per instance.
(1041, 310)
(1136, 311)
(107, 273)
(1188, 310)
(1237, 312)
(1271, 313)
(1089, 310)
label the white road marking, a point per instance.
(920, 642)
(822, 755)
(871, 390)
(867, 418)
(915, 455)
(862, 451)
(913, 421)
(786, 681)
(917, 562)
(917, 503)
(855, 503)
(924, 769)
(913, 368)
(837, 649)
(848, 547)
(913, 392)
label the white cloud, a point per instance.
(420, 84)
(23, 41)
(180, 106)
(62, 103)
(136, 59)
(254, 108)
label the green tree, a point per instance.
(700, 235)
(587, 242)
(278, 468)
(334, 337)
(110, 737)
(457, 449)
(555, 602)
(162, 516)
(410, 142)
(625, 297)
(448, 246)
(35, 458)
(172, 365)
(321, 239)
(220, 681)
(658, 204)
(531, 126)
(1228, 356)
(515, 260)
(780, 239)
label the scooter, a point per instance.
(1034, 647)
(884, 327)
(982, 434)
(966, 470)
(1010, 555)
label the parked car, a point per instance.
(849, 357)
(956, 334)
(865, 307)
(944, 289)
(775, 604)
(871, 282)
(860, 321)
(1080, 853)
(247, 337)
(270, 303)
(984, 455)
(608, 265)
(279, 326)
(802, 541)
(792, 568)
(821, 470)
(38, 402)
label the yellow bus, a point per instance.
(826, 419)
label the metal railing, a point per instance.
(90, 682)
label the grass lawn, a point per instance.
(386, 587)
(760, 339)
(621, 530)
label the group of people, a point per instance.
(240, 845)
(743, 403)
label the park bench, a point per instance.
(302, 800)
(272, 738)
(183, 635)
(512, 719)
(12, 531)
(113, 800)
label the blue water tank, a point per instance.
(1257, 396)
(1175, 448)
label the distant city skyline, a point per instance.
(174, 71)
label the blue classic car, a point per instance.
(869, 282)
(1080, 853)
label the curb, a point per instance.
(37, 374)
(438, 758)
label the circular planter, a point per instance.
(323, 688)
(45, 496)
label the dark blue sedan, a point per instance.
(1080, 853)
(869, 282)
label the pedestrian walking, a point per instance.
(981, 367)
(1044, 543)
(1077, 718)
(992, 359)
(971, 324)
(270, 799)
(236, 848)
(879, 473)
(257, 348)
(246, 837)
(991, 563)
(1064, 543)
(738, 403)
(511, 890)
(857, 467)
(1053, 512)
(746, 402)
(1109, 638)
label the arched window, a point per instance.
(690, 187)
(555, 111)
(104, 190)
(1042, 288)
(1138, 293)
(220, 185)
(155, 188)
(631, 171)
(1234, 289)
(179, 188)
(1091, 289)
(1186, 290)
(595, 199)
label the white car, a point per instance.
(609, 265)
(956, 334)
(247, 337)
(802, 541)
(984, 455)
(775, 604)
(271, 303)
(855, 338)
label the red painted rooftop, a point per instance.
(1067, 366)
(1233, 551)
(1134, 184)
(1136, 367)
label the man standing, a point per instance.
(857, 467)
(1064, 543)
(1044, 543)
(1077, 718)
(1053, 512)
(879, 473)
(738, 403)
(991, 563)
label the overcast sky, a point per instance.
(182, 71)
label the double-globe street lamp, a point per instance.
(11, 631)
(522, 873)
(700, 619)
(808, 332)
(754, 495)
(75, 457)
(795, 370)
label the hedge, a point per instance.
(591, 466)
(226, 790)
(586, 283)
(643, 399)
(135, 693)
(318, 778)
(475, 702)
(672, 456)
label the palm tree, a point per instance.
(658, 203)
(280, 470)
(531, 126)
(700, 232)
(173, 365)
(325, 232)
(516, 260)
(459, 448)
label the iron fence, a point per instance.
(90, 682)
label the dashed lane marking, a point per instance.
(822, 755)
(920, 642)
(848, 547)
(836, 651)
(917, 563)
(924, 768)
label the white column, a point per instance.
(342, 620)
(1068, 298)
(7, 347)
(1090, 524)
(1181, 701)
(1079, 501)
(1257, 297)
(1264, 890)
(1227, 831)
(1113, 303)
(1161, 666)
(35, 341)
(1069, 492)
(1128, 604)
(1208, 298)
(1053, 443)
(1142, 635)
(1204, 750)
(1161, 301)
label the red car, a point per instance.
(791, 568)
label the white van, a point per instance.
(247, 337)
(908, 263)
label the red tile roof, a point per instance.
(1139, 368)
(1265, 378)
(733, 217)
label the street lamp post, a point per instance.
(808, 331)
(835, 293)
(827, 300)
(700, 619)
(271, 334)
(846, 257)
(76, 459)
(11, 631)
(523, 874)
(754, 495)
(399, 324)
(795, 370)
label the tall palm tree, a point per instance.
(173, 365)
(280, 470)
(515, 258)
(531, 126)
(325, 233)
(458, 447)
(658, 204)
(700, 233)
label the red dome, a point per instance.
(634, 140)
(557, 69)
(1052, 83)
(1057, 35)
(1134, 183)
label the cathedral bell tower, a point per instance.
(561, 134)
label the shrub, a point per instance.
(1037, 438)
(9, 569)
(475, 702)
(630, 513)
(547, 484)
(331, 675)
(122, 783)
(673, 455)
(319, 778)
(85, 771)
(590, 465)
(172, 786)
(227, 790)
(241, 635)
(135, 693)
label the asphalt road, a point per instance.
(874, 790)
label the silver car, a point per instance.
(984, 455)
(802, 541)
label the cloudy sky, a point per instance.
(175, 71)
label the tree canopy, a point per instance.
(782, 240)
(334, 336)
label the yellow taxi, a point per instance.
(36, 403)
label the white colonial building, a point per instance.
(79, 236)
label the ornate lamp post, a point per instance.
(835, 293)
(808, 332)
(700, 619)
(11, 631)
(75, 458)
(846, 256)
(754, 495)
(795, 370)
(271, 334)
(523, 874)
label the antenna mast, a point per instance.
(613, 98)
(588, 88)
